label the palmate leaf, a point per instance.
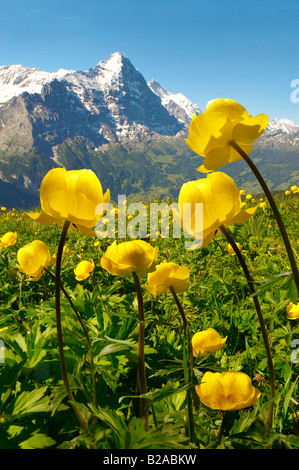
(160, 394)
(28, 402)
(37, 441)
(160, 438)
(133, 435)
(30, 347)
(8, 378)
(116, 422)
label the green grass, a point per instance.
(34, 409)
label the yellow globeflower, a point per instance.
(8, 239)
(165, 276)
(287, 192)
(294, 188)
(83, 270)
(242, 192)
(224, 121)
(262, 204)
(71, 195)
(221, 201)
(230, 250)
(293, 311)
(33, 258)
(249, 196)
(207, 341)
(227, 390)
(128, 257)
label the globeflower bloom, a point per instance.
(293, 311)
(33, 258)
(132, 256)
(83, 270)
(224, 121)
(227, 391)
(221, 201)
(8, 239)
(71, 196)
(207, 341)
(230, 251)
(165, 276)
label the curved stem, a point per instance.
(140, 351)
(180, 308)
(274, 209)
(84, 330)
(78, 413)
(188, 357)
(261, 321)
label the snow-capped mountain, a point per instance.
(177, 104)
(107, 118)
(16, 79)
(69, 118)
(280, 132)
(113, 93)
(284, 125)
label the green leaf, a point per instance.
(38, 441)
(29, 402)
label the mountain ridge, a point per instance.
(108, 118)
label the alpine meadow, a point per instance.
(129, 337)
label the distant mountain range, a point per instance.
(130, 132)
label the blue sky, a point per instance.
(247, 51)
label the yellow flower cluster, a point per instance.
(293, 190)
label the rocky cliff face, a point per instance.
(109, 102)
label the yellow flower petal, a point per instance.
(84, 269)
(72, 195)
(8, 239)
(227, 390)
(221, 205)
(166, 275)
(211, 133)
(207, 341)
(233, 110)
(208, 131)
(292, 311)
(41, 218)
(128, 257)
(250, 129)
(33, 258)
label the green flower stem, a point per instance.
(77, 411)
(84, 330)
(144, 403)
(189, 359)
(230, 240)
(275, 210)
